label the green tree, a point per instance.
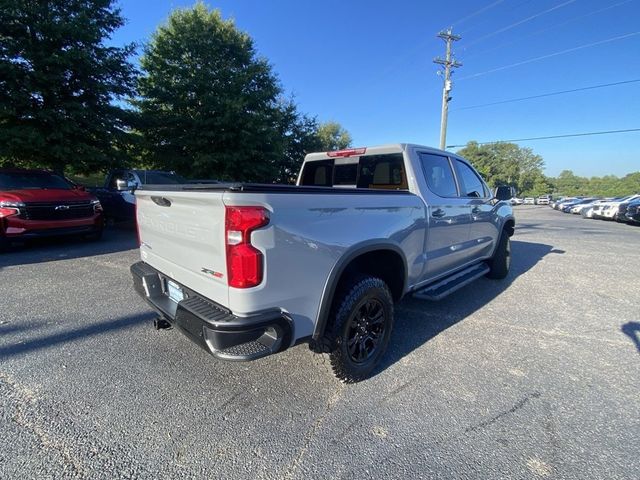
(58, 83)
(209, 107)
(299, 134)
(569, 184)
(332, 136)
(508, 164)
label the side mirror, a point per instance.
(503, 193)
(121, 185)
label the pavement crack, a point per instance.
(312, 432)
(519, 404)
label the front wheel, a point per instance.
(501, 261)
(360, 328)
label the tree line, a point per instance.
(202, 101)
(510, 164)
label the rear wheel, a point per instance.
(360, 328)
(500, 264)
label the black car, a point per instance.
(621, 214)
(632, 214)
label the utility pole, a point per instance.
(449, 63)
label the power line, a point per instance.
(550, 94)
(554, 136)
(519, 22)
(476, 25)
(554, 54)
(477, 12)
(538, 32)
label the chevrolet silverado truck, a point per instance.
(248, 270)
(39, 203)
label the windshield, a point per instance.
(32, 181)
(159, 178)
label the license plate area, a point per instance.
(174, 291)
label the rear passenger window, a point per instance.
(471, 184)
(439, 176)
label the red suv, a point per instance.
(37, 203)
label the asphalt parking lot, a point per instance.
(535, 376)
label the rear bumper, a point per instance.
(212, 326)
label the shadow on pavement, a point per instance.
(632, 330)
(71, 335)
(64, 248)
(9, 328)
(411, 330)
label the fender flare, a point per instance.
(339, 268)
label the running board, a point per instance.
(448, 285)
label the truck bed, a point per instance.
(182, 234)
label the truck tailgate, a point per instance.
(182, 235)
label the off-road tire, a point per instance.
(349, 308)
(501, 261)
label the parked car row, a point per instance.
(41, 203)
(621, 209)
(541, 200)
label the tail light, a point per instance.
(244, 261)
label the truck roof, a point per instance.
(376, 149)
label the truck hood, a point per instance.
(44, 195)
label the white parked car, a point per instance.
(588, 209)
(529, 201)
(543, 200)
(516, 201)
(609, 210)
(577, 209)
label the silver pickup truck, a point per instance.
(248, 270)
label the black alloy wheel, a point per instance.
(366, 329)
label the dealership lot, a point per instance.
(534, 376)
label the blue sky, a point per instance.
(368, 65)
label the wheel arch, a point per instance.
(389, 259)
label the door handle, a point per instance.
(475, 210)
(439, 213)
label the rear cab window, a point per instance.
(318, 173)
(382, 172)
